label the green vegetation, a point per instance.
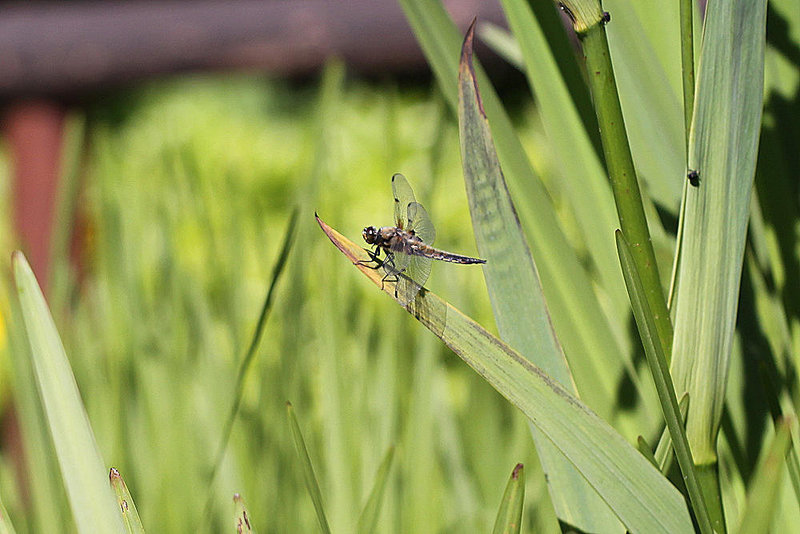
(184, 365)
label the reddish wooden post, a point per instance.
(34, 130)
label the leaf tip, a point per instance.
(113, 475)
(517, 470)
(466, 67)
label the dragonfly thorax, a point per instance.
(390, 237)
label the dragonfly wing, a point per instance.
(396, 267)
(413, 277)
(420, 223)
(403, 197)
(429, 310)
(396, 263)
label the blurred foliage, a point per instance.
(188, 187)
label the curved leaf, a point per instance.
(637, 493)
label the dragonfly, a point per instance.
(407, 246)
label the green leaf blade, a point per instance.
(509, 516)
(82, 469)
(657, 361)
(642, 499)
(516, 293)
(130, 515)
(241, 517)
(578, 317)
(308, 469)
(762, 498)
(723, 149)
(369, 515)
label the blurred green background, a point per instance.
(188, 186)
(187, 190)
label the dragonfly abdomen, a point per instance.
(441, 255)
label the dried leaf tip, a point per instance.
(516, 471)
(466, 68)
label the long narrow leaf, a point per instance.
(578, 318)
(657, 361)
(308, 469)
(763, 494)
(130, 515)
(369, 515)
(516, 294)
(48, 503)
(663, 453)
(244, 366)
(646, 55)
(6, 527)
(723, 149)
(82, 469)
(581, 170)
(241, 517)
(619, 161)
(637, 493)
(509, 516)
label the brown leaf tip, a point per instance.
(516, 471)
(466, 67)
(113, 474)
(466, 46)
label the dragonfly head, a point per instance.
(370, 235)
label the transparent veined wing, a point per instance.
(420, 223)
(419, 267)
(410, 270)
(403, 197)
(417, 273)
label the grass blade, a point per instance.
(762, 496)
(687, 63)
(723, 149)
(130, 516)
(657, 361)
(48, 504)
(619, 160)
(82, 468)
(578, 318)
(6, 527)
(308, 470)
(647, 65)
(244, 366)
(509, 516)
(369, 515)
(581, 170)
(516, 294)
(646, 450)
(663, 454)
(241, 519)
(640, 497)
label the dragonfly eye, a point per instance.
(370, 234)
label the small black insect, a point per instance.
(606, 18)
(694, 178)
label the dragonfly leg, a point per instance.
(390, 277)
(374, 257)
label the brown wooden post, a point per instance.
(34, 130)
